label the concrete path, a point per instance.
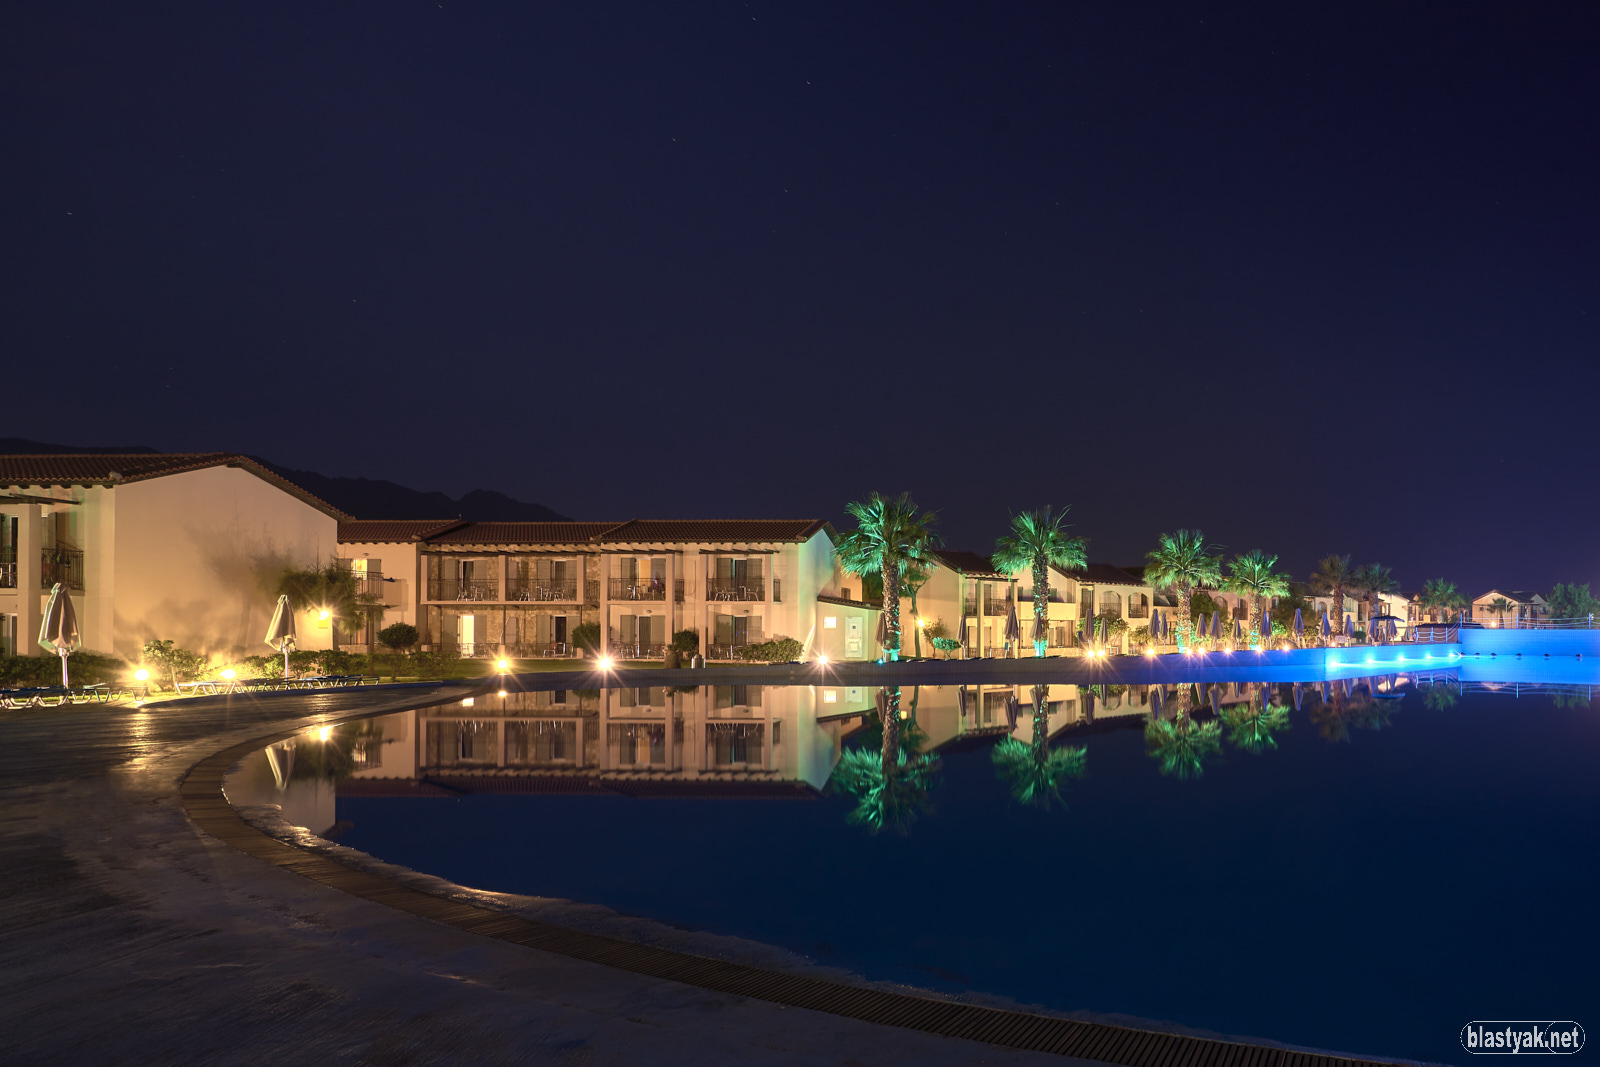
(127, 936)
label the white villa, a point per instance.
(1523, 608)
(184, 547)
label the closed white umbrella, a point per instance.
(280, 632)
(58, 632)
(961, 634)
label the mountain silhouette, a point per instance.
(363, 498)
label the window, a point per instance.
(830, 622)
(830, 696)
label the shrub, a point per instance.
(946, 645)
(778, 649)
(587, 636)
(169, 665)
(401, 637)
(686, 641)
(83, 668)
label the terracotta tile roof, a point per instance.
(714, 530)
(520, 533)
(969, 563)
(845, 602)
(390, 531)
(115, 468)
(1100, 574)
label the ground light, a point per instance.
(502, 665)
(603, 663)
(141, 675)
(228, 675)
(822, 661)
(324, 733)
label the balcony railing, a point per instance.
(638, 589)
(1111, 611)
(8, 569)
(1139, 611)
(620, 650)
(544, 590)
(64, 565)
(969, 608)
(995, 607)
(463, 589)
(736, 589)
(724, 651)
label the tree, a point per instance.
(1374, 580)
(1500, 605)
(890, 537)
(1183, 561)
(399, 637)
(586, 635)
(914, 577)
(180, 664)
(1251, 575)
(1572, 601)
(885, 800)
(333, 589)
(1038, 539)
(1181, 745)
(1440, 597)
(1333, 573)
(686, 641)
(1251, 727)
(1035, 771)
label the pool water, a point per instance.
(1367, 889)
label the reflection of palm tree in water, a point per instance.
(890, 785)
(1336, 714)
(1180, 745)
(1034, 771)
(1251, 726)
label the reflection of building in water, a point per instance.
(599, 740)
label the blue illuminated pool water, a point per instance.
(1370, 895)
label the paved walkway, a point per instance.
(127, 936)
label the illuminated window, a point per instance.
(830, 622)
(830, 696)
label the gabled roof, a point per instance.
(714, 530)
(970, 563)
(117, 468)
(391, 531)
(634, 531)
(1099, 574)
(519, 533)
(1516, 596)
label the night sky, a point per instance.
(1315, 278)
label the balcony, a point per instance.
(995, 607)
(969, 608)
(645, 588)
(64, 565)
(8, 568)
(543, 590)
(746, 589)
(471, 589)
(1139, 611)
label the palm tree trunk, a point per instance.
(891, 605)
(1041, 603)
(1185, 621)
(891, 729)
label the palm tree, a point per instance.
(891, 536)
(1252, 575)
(1333, 573)
(1500, 605)
(1183, 561)
(1374, 580)
(1035, 771)
(1439, 596)
(1037, 539)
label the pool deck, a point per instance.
(130, 934)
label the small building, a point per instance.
(1521, 608)
(182, 547)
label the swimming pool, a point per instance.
(1367, 874)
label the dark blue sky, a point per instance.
(1314, 278)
